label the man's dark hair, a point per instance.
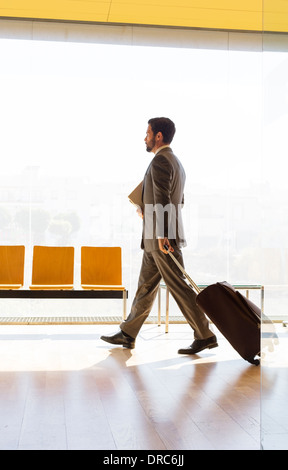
(164, 125)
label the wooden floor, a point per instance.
(63, 388)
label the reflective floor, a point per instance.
(61, 387)
(274, 387)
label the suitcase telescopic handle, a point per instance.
(193, 284)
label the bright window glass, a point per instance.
(73, 119)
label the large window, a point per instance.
(73, 118)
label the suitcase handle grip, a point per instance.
(193, 284)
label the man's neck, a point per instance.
(160, 148)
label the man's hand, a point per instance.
(139, 212)
(162, 242)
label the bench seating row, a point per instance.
(53, 273)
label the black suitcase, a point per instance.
(235, 316)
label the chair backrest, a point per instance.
(12, 266)
(53, 267)
(101, 266)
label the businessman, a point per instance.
(163, 198)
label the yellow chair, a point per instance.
(12, 266)
(101, 269)
(52, 268)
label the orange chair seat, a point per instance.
(52, 268)
(101, 266)
(12, 266)
(51, 286)
(101, 269)
(102, 287)
(10, 286)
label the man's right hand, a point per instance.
(163, 243)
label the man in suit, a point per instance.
(163, 197)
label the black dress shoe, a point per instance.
(120, 339)
(200, 344)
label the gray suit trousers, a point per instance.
(156, 266)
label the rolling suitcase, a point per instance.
(235, 316)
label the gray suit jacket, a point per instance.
(163, 198)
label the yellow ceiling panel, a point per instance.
(276, 22)
(73, 10)
(275, 15)
(272, 6)
(173, 15)
(253, 15)
(255, 5)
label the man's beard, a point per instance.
(151, 145)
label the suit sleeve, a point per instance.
(162, 172)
